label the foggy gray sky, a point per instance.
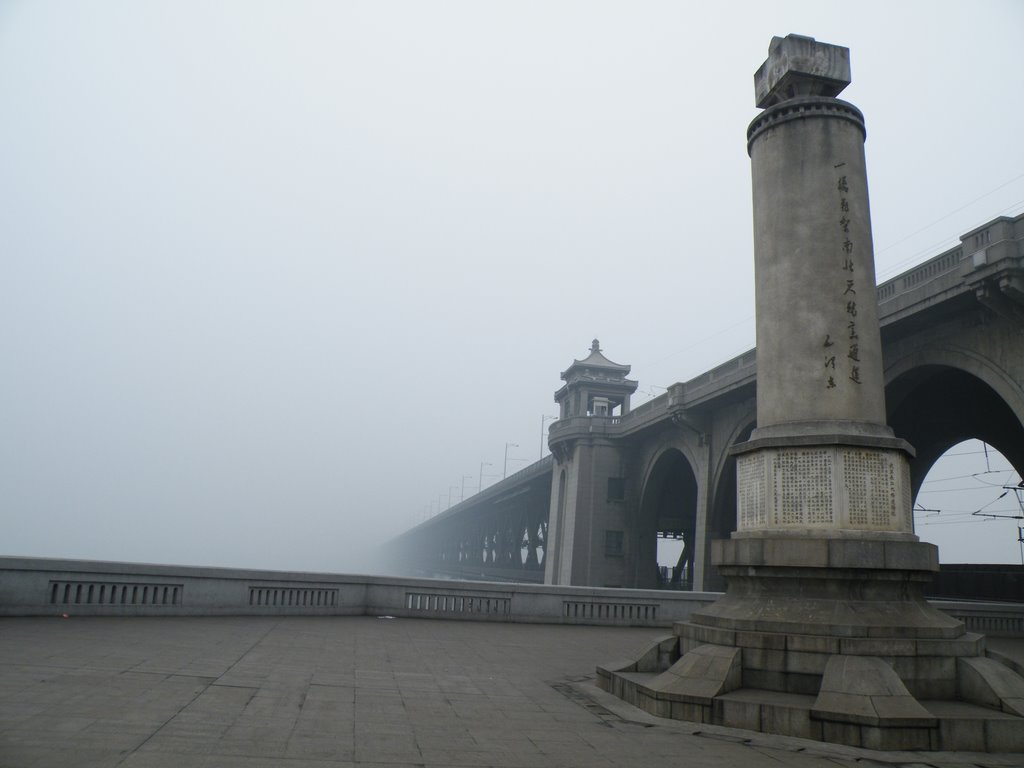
(275, 276)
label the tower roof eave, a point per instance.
(595, 360)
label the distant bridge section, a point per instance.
(499, 534)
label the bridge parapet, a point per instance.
(35, 587)
(503, 486)
(734, 374)
(997, 266)
(27, 589)
(988, 265)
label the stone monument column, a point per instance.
(824, 600)
(823, 486)
(822, 459)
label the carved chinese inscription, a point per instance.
(839, 367)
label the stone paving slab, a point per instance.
(328, 692)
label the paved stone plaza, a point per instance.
(341, 691)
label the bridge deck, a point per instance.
(340, 691)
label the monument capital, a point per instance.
(801, 66)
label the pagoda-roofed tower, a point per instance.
(595, 386)
(588, 541)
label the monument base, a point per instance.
(829, 639)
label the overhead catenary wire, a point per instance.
(964, 453)
(976, 520)
(972, 475)
(968, 515)
(897, 267)
(960, 489)
(930, 250)
(932, 505)
(950, 213)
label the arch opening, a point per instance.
(667, 524)
(936, 407)
(969, 444)
(971, 506)
(531, 551)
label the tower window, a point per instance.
(613, 543)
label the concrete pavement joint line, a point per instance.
(215, 684)
(209, 680)
(164, 675)
(735, 739)
(34, 664)
(205, 688)
(302, 703)
(567, 688)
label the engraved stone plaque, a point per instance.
(824, 488)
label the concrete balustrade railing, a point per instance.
(51, 587)
(48, 587)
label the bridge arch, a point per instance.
(553, 557)
(722, 513)
(937, 397)
(668, 507)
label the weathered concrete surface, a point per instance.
(864, 689)
(343, 691)
(800, 66)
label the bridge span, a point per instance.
(591, 513)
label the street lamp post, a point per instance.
(504, 472)
(463, 496)
(480, 483)
(542, 420)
